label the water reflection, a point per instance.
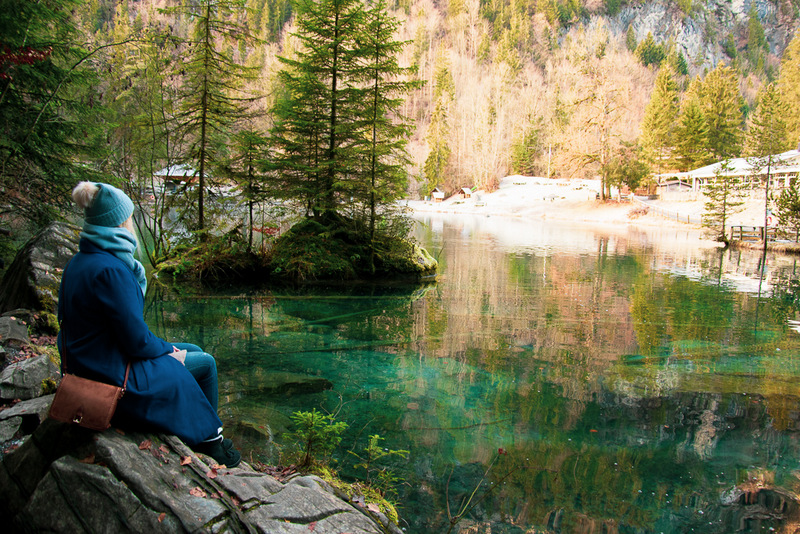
(615, 380)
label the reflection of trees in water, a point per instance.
(602, 374)
(653, 464)
(574, 318)
(786, 294)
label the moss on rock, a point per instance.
(336, 249)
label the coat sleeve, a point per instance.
(123, 307)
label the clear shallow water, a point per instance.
(617, 380)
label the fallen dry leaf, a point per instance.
(312, 526)
(163, 448)
(186, 460)
(198, 492)
(161, 517)
(88, 460)
(372, 507)
(145, 445)
(212, 473)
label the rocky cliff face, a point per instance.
(699, 35)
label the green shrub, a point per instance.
(379, 475)
(317, 436)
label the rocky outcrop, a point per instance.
(32, 280)
(67, 479)
(24, 417)
(28, 378)
(699, 35)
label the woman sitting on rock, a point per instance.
(101, 311)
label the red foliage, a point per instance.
(266, 230)
(21, 56)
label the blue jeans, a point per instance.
(203, 368)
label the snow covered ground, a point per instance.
(575, 200)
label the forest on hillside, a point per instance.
(476, 90)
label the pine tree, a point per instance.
(756, 40)
(317, 119)
(249, 151)
(387, 131)
(524, 151)
(50, 109)
(296, 137)
(789, 89)
(211, 100)
(438, 158)
(723, 198)
(722, 108)
(788, 212)
(626, 167)
(768, 134)
(678, 62)
(660, 118)
(767, 137)
(630, 39)
(650, 53)
(691, 137)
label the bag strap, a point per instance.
(64, 335)
(125, 383)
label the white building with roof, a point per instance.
(175, 176)
(784, 167)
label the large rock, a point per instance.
(67, 479)
(33, 278)
(26, 379)
(24, 417)
(13, 330)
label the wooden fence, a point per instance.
(754, 233)
(669, 214)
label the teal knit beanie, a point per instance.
(111, 207)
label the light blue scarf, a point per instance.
(119, 242)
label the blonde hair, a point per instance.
(84, 194)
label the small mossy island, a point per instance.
(331, 248)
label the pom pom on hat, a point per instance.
(103, 204)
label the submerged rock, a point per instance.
(285, 383)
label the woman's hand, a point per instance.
(179, 355)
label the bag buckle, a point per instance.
(77, 419)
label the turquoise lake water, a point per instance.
(575, 378)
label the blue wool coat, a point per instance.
(101, 309)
